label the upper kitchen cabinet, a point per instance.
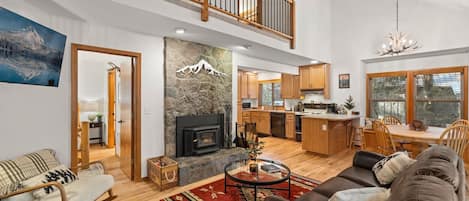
(315, 78)
(249, 85)
(290, 86)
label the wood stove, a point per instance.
(198, 135)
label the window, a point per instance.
(388, 96)
(438, 99)
(270, 93)
(436, 96)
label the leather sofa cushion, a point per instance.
(423, 188)
(366, 160)
(439, 152)
(329, 187)
(439, 168)
(312, 196)
(361, 176)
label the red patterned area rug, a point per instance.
(215, 191)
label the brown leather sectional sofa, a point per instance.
(437, 175)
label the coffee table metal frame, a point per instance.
(258, 184)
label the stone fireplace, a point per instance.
(198, 102)
(199, 135)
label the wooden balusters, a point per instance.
(276, 16)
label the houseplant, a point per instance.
(99, 116)
(349, 105)
(254, 150)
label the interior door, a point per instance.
(126, 119)
(111, 116)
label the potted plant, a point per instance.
(349, 105)
(100, 117)
(254, 150)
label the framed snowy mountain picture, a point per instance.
(30, 53)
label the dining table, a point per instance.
(404, 133)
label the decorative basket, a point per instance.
(163, 171)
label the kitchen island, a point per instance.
(327, 134)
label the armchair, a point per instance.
(92, 181)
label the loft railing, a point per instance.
(276, 16)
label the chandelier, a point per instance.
(397, 41)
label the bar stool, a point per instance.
(357, 131)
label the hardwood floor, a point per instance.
(286, 151)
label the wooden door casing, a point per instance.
(136, 107)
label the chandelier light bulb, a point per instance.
(397, 41)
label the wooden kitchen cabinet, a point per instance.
(263, 123)
(315, 77)
(243, 85)
(305, 78)
(290, 86)
(239, 112)
(314, 136)
(253, 88)
(248, 85)
(290, 126)
(325, 136)
(246, 117)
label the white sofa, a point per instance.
(92, 183)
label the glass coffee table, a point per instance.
(239, 172)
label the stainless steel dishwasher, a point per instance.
(277, 124)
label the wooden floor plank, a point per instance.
(286, 151)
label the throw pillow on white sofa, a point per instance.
(362, 194)
(60, 174)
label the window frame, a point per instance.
(383, 75)
(411, 88)
(272, 82)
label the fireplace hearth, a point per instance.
(199, 135)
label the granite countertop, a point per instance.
(260, 110)
(332, 117)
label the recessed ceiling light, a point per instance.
(180, 30)
(244, 47)
(314, 62)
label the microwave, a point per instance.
(246, 105)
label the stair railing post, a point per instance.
(204, 12)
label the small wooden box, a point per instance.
(163, 171)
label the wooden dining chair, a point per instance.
(391, 120)
(456, 138)
(384, 143)
(460, 122)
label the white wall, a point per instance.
(359, 28)
(35, 117)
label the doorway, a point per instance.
(105, 108)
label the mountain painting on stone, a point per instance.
(30, 53)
